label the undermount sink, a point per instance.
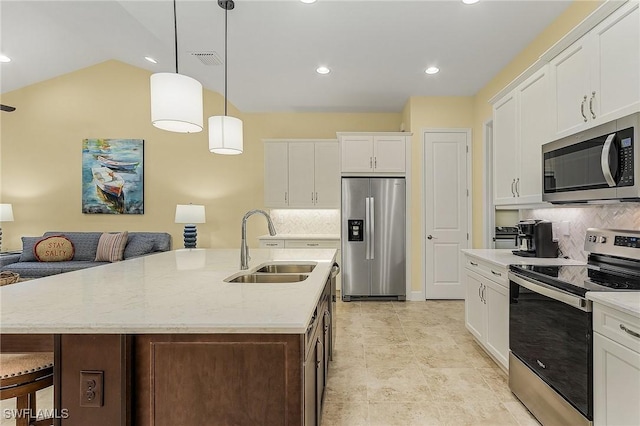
(282, 268)
(268, 278)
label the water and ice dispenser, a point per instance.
(355, 229)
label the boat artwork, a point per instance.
(108, 181)
(118, 165)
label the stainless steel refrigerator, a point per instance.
(373, 220)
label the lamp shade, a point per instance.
(190, 213)
(176, 103)
(6, 213)
(225, 135)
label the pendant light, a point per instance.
(225, 133)
(176, 100)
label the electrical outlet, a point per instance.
(91, 388)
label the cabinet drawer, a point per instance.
(312, 244)
(271, 243)
(617, 326)
(488, 270)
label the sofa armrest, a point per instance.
(8, 259)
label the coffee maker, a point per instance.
(536, 239)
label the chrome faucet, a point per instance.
(244, 249)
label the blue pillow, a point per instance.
(28, 254)
(137, 245)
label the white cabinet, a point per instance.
(597, 78)
(616, 367)
(521, 124)
(373, 153)
(302, 174)
(487, 308)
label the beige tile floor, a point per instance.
(414, 363)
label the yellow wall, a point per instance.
(41, 148)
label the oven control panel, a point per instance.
(614, 242)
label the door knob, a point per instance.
(431, 237)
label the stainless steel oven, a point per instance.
(601, 163)
(550, 325)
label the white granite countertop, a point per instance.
(179, 291)
(625, 301)
(300, 237)
(504, 258)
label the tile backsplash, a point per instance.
(616, 216)
(311, 221)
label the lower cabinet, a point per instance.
(318, 353)
(616, 368)
(487, 308)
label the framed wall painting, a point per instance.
(113, 176)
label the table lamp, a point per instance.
(6, 215)
(190, 214)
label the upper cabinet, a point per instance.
(373, 153)
(520, 126)
(301, 174)
(597, 78)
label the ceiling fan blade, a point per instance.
(7, 108)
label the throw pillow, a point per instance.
(53, 249)
(111, 247)
(28, 243)
(138, 245)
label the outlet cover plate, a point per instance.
(91, 388)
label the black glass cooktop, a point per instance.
(579, 279)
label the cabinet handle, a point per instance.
(496, 273)
(316, 197)
(272, 244)
(631, 332)
(312, 244)
(312, 197)
(593, 95)
(584, 101)
(285, 196)
(371, 162)
(518, 187)
(484, 299)
(375, 162)
(473, 264)
(513, 192)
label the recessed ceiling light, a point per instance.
(323, 70)
(4, 58)
(470, 1)
(150, 59)
(308, 1)
(432, 70)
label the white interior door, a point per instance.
(446, 212)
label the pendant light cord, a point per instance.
(175, 33)
(225, 60)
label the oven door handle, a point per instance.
(553, 293)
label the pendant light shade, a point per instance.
(176, 103)
(225, 135)
(176, 100)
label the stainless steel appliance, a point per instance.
(598, 164)
(550, 325)
(373, 238)
(505, 237)
(536, 239)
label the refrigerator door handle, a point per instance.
(372, 224)
(366, 228)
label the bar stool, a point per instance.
(21, 375)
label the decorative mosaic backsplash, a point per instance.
(312, 221)
(613, 216)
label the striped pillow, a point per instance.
(111, 247)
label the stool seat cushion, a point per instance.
(12, 365)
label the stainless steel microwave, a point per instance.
(599, 164)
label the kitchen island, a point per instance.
(174, 343)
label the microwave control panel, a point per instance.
(626, 157)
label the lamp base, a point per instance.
(190, 236)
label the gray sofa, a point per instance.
(85, 245)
